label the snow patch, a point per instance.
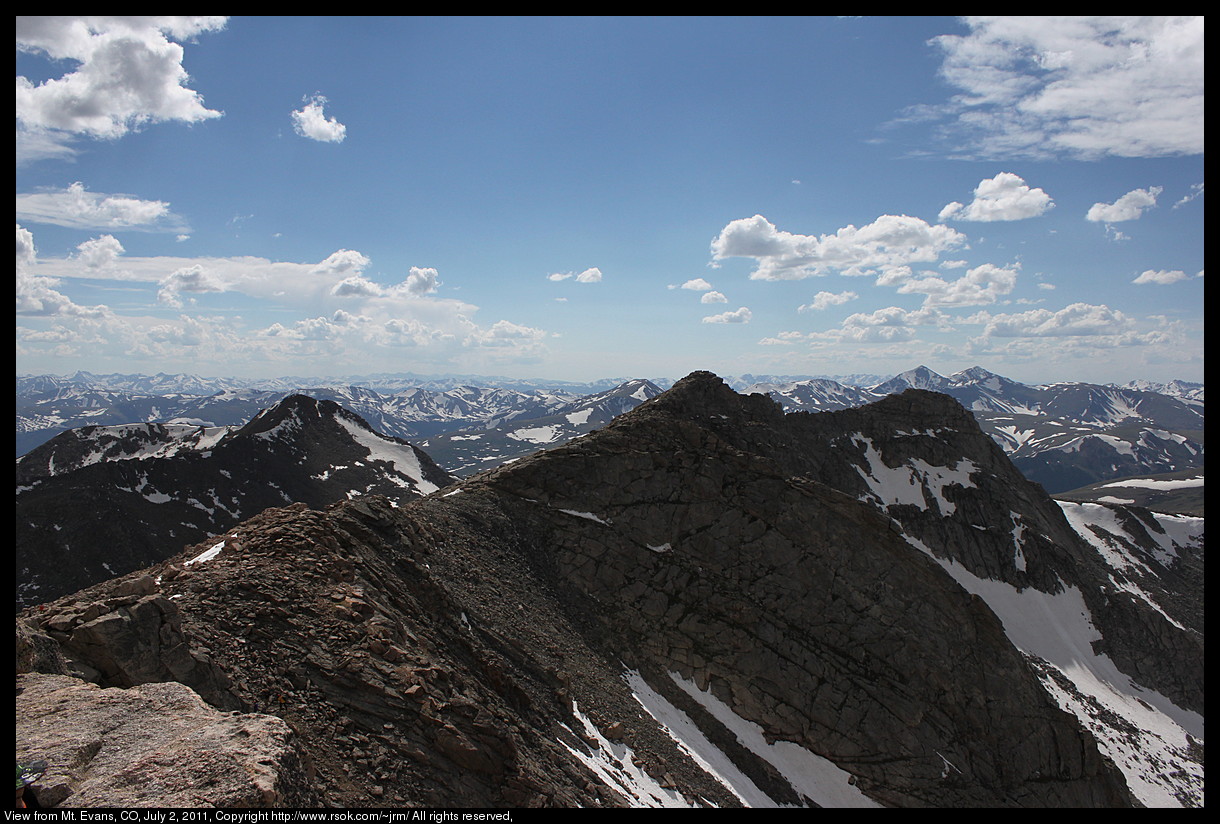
(1148, 483)
(401, 456)
(907, 484)
(588, 516)
(207, 554)
(537, 434)
(818, 779)
(694, 743)
(615, 765)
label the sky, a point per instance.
(584, 198)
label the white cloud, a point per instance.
(1128, 207)
(195, 279)
(334, 313)
(591, 275)
(713, 297)
(77, 208)
(421, 281)
(887, 242)
(37, 295)
(1161, 276)
(26, 252)
(100, 252)
(1081, 86)
(1075, 320)
(740, 315)
(1003, 197)
(126, 73)
(342, 262)
(1196, 190)
(357, 286)
(310, 121)
(697, 285)
(979, 286)
(884, 325)
(823, 300)
(503, 332)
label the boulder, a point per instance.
(153, 745)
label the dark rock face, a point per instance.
(530, 636)
(89, 508)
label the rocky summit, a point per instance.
(707, 602)
(163, 487)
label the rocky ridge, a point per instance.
(164, 487)
(529, 636)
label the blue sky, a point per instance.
(579, 198)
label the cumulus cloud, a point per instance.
(1086, 87)
(100, 252)
(885, 325)
(696, 285)
(77, 208)
(887, 242)
(311, 121)
(824, 300)
(713, 297)
(195, 279)
(419, 281)
(740, 315)
(979, 286)
(26, 252)
(342, 262)
(127, 72)
(1128, 207)
(1075, 320)
(1161, 276)
(1003, 197)
(36, 295)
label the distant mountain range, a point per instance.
(1062, 435)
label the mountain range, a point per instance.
(1064, 435)
(708, 601)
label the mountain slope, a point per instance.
(101, 501)
(681, 607)
(503, 439)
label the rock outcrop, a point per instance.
(704, 581)
(154, 745)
